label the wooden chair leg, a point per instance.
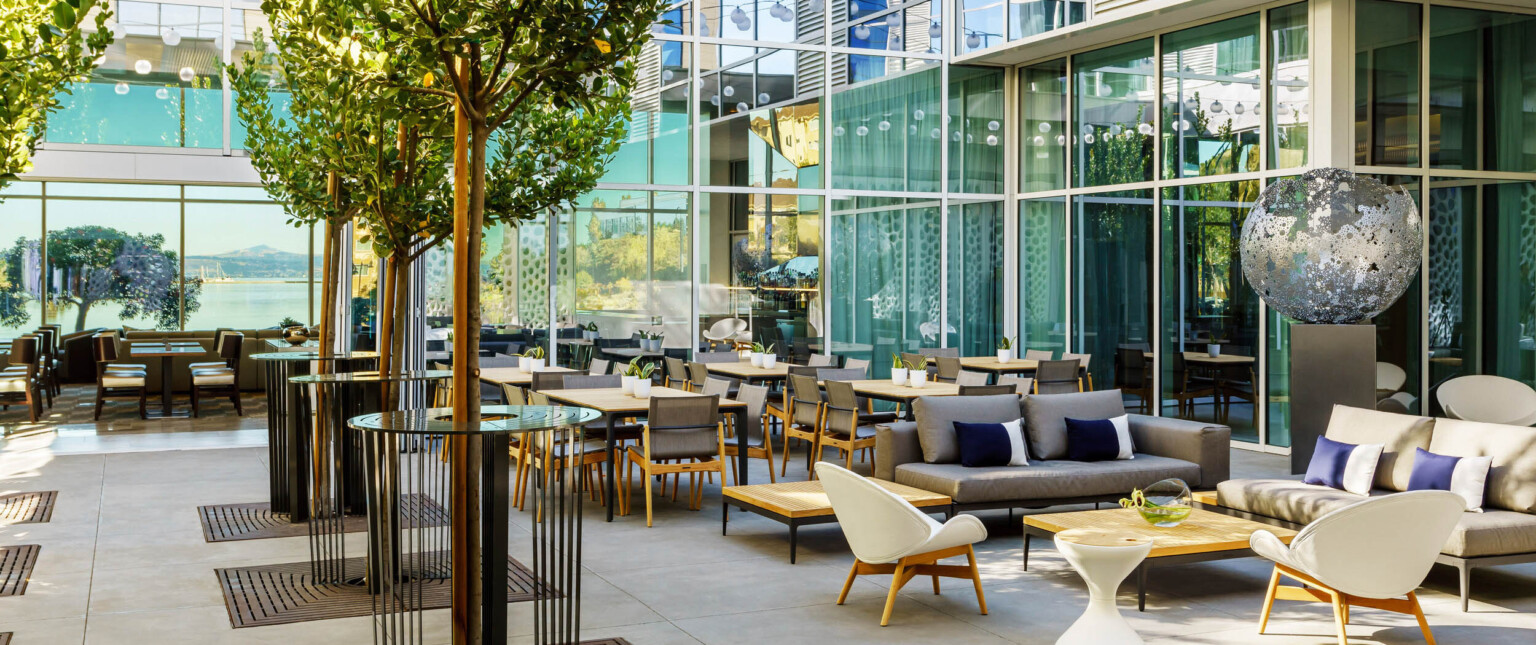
(898, 579)
(981, 596)
(649, 498)
(1418, 613)
(143, 396)
(235, 396)
(768, 450)
(99, 392)
(194, 402)
(1269, 600)
(1338, 616)
(784, 454)
(848, 584)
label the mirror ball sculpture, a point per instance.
(1331, 247)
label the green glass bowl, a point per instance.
(1164, 516)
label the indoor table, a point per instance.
(165, 352)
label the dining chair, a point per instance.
(1058, 377)
(677, 372)
(513, 394)
(1022, 384)
(47, 361)
(698, 374)
(821, 360)
(1236, 381)
(715, 386)
(550, 380)
(948, 368)
(116, 381)
(857, 364)
(968, 377)
(1186, 386)
(840, 424)
(590, 381)
(910, 359)
(755, 436)
(1373, 553)
(717, 357)
(1083, 359)
(936, 352)
(1132, 377)
(988, 390)
(221, 378)
(888, 535)
(685, 431)
(599, 366)
(1039, 354)
(867, 415)
(804, 416)
(20, 380)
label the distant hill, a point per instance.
(259, 262)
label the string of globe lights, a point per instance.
(143, 67)
(743, 20)
(993, 128)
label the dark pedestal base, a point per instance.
(1330, 365)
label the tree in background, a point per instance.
(92, 265)
(42, 50)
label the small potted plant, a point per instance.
(757, 355)
(770, 357)
(1213, 348)
(533, 360)
(652, 341)
(631, 374)
(591, 331)
(640, 375)
(917, 373)
(1005, 350)
(898, 370)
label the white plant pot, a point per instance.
(769, 360)
(524, 365)
(898, 376)
(757, 359)
(1004, 355)
(627, 384)
(655, 344)
(591, 335)
(642, 388)
(537, 364)
(1213, 350)
(917, 378)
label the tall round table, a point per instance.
(336, 472)
(286, 447)
(406, 453)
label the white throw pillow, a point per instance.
(1360, 470)
(1123, 434)
(1015, 429)
(1470, 479)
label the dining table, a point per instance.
(746, 372)
(165, 351)
(614, 404)
(991, 365)
(514, 375)
(902, 395)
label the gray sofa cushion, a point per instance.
(1512, 480)
(936, 417)
(1044, 480)
(1282, 499)
(1045, 418)
(1492, 533)
(1398, 433)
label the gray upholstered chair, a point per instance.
(685, 431)
(755, 436)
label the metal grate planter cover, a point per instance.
(1331, 247)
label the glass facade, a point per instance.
(834, 182)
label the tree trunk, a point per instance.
(388, 360)
(80, 311)
(464, 452)
(401, 309)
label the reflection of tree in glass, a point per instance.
(90, 265)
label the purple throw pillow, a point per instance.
(1431, 471)
(1328, 462)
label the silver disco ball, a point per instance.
(1331, 247)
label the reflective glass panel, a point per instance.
(1043, 274)
(1043, 137)
(886, 133)
(1480, 112)
(976, 129)
(21, 307)
(883, 286)
(1290, 74)
(1387, 83)
(760, 265)
(976, 243)
(253, 267)
(1033, 17)
(1210, 87)
(1112, 237)
(1114, 104)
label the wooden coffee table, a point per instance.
(1205, 537)
(800, 503)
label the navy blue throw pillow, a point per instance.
(1092, 440)
(983, 444)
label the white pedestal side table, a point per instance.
(1103, 559)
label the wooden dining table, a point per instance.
(615, 404)
(991, 365)
(902, 395)
(745, 371)
(513, 375)
(165, 352)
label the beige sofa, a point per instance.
(1505, 533)
(252, 372)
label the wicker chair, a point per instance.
(686, 431)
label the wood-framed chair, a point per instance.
(1186, 387)
(48, 359)
(888, 535)
(1058, 377)
(222, 378)
(599, 366)
(1237, 382)
(948, 369)
(755, 436)
(117, 381)
(857, 364)
(21, 378)
(968, 377)
(1374, 553)
(804, 401)
(715, 386)
(821, 360)
(840, 426)
(677, 373)
(1039, 354)
(685, 431)
(541, 381)
(698, 375)
(1021, 384)
(1083, 360)
(988, 390)
(1133, 377)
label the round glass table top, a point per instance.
(314, 356)
(515, 419)
(371, 377)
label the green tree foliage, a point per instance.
(92, 265)
(42, 50)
